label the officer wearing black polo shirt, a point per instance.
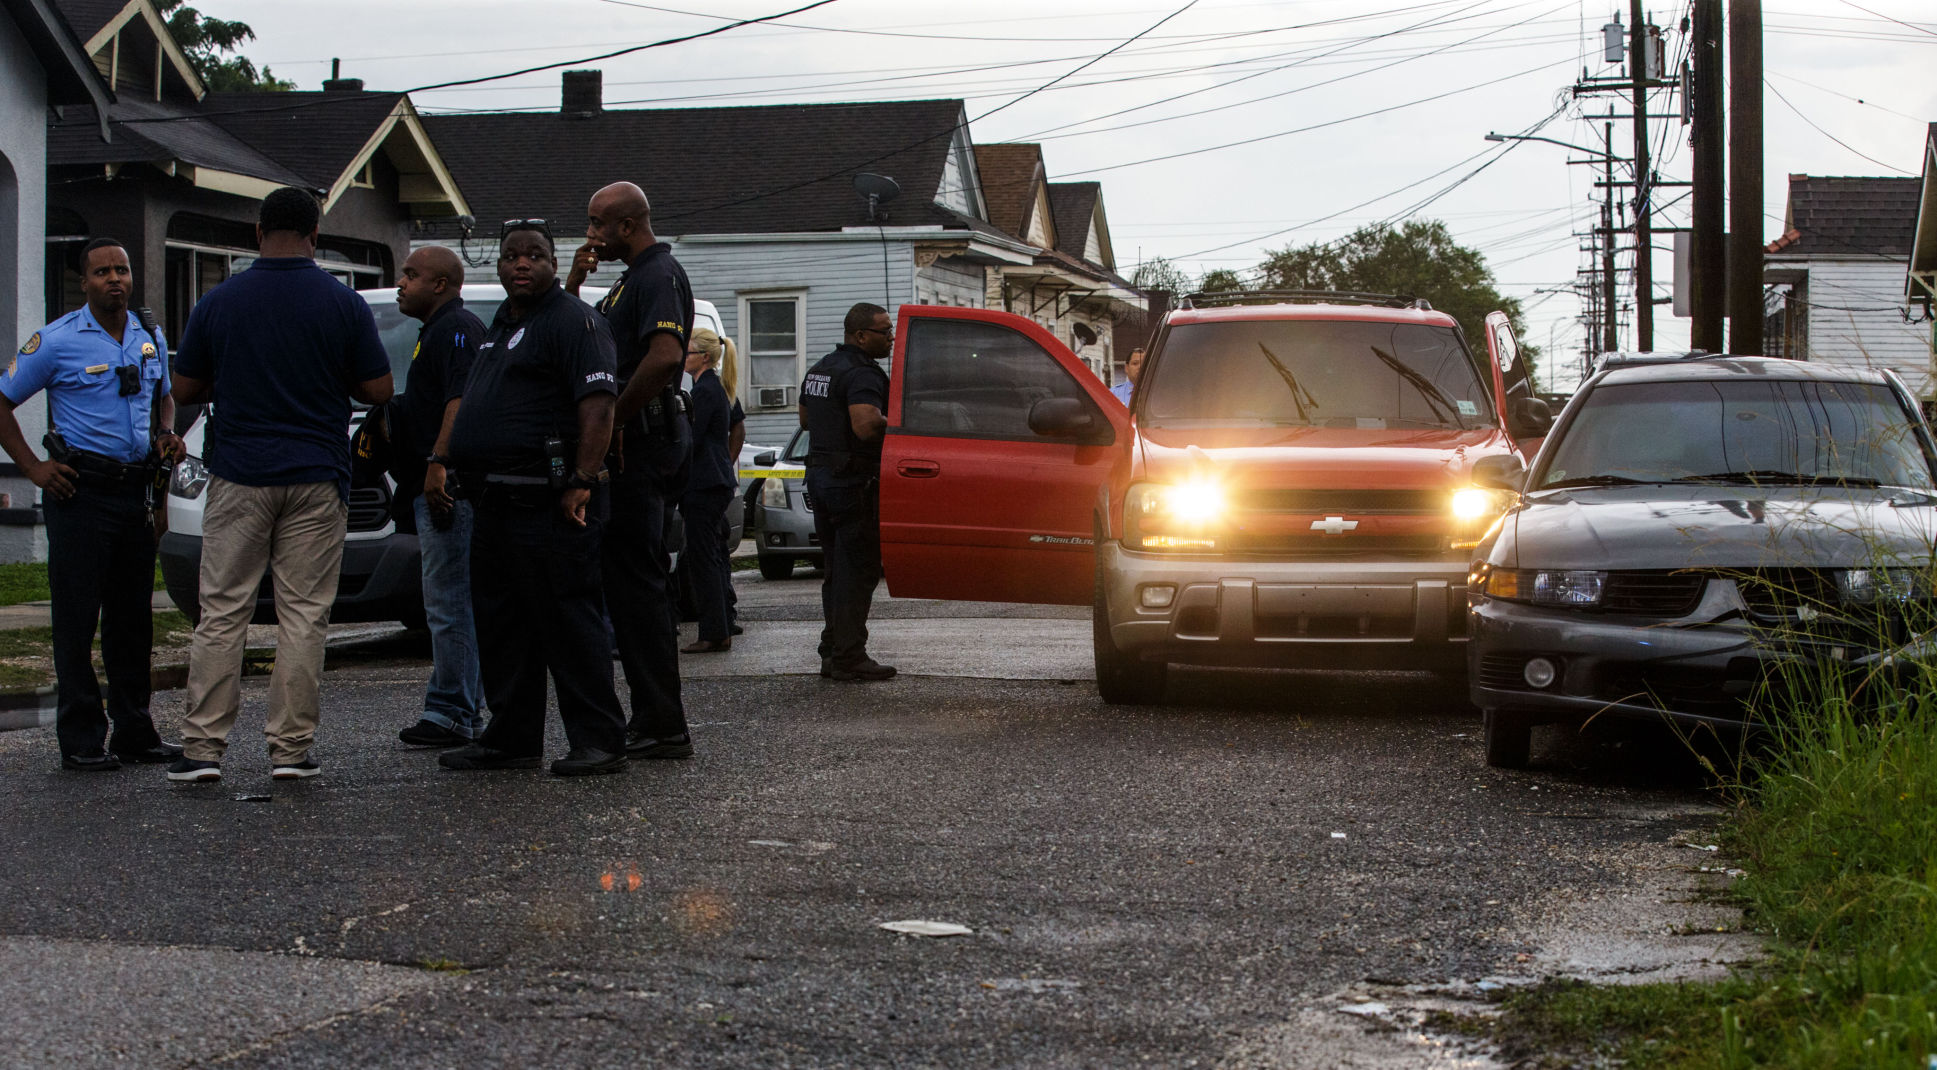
(528, 446)
(842, 402)
(650, 313)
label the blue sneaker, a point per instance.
(191, 770)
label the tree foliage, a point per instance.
(211, 45)
(1221, 280)
(1160, 274)
(1417, 259)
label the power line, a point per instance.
(1887, 18)
(1827, 134)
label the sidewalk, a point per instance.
(40, 614)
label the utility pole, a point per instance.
(1640, 51)
(1609, 321)
(1745, 177)
(1708, 258)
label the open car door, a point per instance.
(998, 441)
(1512, 381)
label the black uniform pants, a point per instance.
(847, 518)
(101, 570)
(535, 596)
(705, 562)
(638, 596)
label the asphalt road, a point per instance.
(1158, 886)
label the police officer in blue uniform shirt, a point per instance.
(110, 428)
(528, 446)
(650, 313)
(842, 406)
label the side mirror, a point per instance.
(1529, 418)
(765, 459)
(1499, 472)
(1062, 418)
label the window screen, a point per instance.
(967, 378)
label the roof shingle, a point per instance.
(1851, 216)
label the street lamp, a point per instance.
(1563, 144)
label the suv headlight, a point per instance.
(190, 479)
(1183, 517)
(773, 493)
(1863, 586)
(1546, 587)
(1474, 510)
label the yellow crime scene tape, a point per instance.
(773, 473)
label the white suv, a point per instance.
(381, 578)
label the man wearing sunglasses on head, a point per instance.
(650, 313)
(528, 446)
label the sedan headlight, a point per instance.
(190, 479)
(773, 493)
(1174, 516)
(1546, 587)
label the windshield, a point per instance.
(1316, 373)
(797, 448)
(399, 332)
(1771, 432)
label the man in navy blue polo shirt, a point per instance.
(110, 418)
(278, 351)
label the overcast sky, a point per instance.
(1355, 112)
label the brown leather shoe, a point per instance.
(708, 646)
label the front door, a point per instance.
(1512, 381)
(974, 503)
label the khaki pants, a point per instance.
(297, 533)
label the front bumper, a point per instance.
(784, 532)
(1344, 613)
(381, 579)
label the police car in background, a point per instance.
(382, 579)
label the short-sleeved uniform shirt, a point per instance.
(281, 344)
(712, 422)
(529, 376)
(844, 377)
(439, 367)
(74, 359)
(1123, 390)
(651, 297)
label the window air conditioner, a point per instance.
(773, 397)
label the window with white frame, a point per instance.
(773, 331)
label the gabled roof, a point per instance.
(783, 168)
(1841, 217)
(90, 17)
(177, 139)
(71, 77)
(1012, 174)
(1074, 206)
(1922, 277)
(98, 22)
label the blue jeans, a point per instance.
(456, 689)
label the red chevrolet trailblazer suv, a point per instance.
(1290, 486)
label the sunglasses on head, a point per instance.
(538, 225)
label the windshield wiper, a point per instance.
(1299, 395)
(1596, 481)
(1785, 479)
(1436, 398)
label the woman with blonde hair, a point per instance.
(709, 492)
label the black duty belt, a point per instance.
(105, 470)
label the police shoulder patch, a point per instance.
(33, 345)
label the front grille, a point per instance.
(369, 508)
(1778, 593)
(1346, 502)
(1502, 672)
(1319, 545)
(1653, 593)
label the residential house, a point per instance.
(1837, 276)
(181, 179)
(1920, 282)
(765, 207)
(43, 71)
(1070, 285)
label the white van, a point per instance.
(381, 578)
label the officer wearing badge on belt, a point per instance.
(110, 430)
(528, 447)
(650, 313)
(842, 402)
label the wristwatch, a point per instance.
(438, 458)
(581, 481)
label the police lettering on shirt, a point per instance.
(816, 385)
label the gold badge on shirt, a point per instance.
(147, 351)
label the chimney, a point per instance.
(584, 94)
(336, 83)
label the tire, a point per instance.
(1509, 738)
(1122, 679)
(776, 566)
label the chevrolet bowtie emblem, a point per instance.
(1334, 525)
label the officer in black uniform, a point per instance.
(650, 313)
(842, 406)
(528, 447)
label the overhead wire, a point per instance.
(1827, 134)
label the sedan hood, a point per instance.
(1653, 527)
(1317, 457)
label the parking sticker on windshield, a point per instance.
(1467, 408)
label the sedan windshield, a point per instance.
(1763, 432)
(1316, 373)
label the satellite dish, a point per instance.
(1084, 335)
(879, 190)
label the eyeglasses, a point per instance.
(538, 225)
(888, 332)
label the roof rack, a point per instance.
(1629, 360)
(1215, 298)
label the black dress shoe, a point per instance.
(642, 746)
(865, 669)
(155, 755)
(735, 629)
(90, 763)
(585, 761)
(479, 756)
(431, 734)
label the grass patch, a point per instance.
(26, 581)
(1835, 823)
